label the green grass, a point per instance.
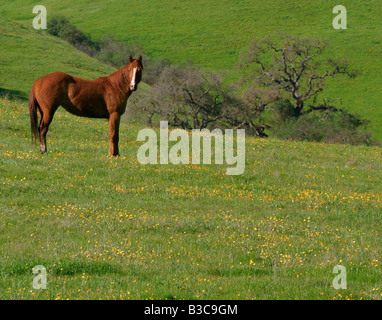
(26, 55)
(112, 228)
(212, 33)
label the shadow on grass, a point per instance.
(65, 268)
(12, 94)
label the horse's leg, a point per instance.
(114, 120)
(47, 117)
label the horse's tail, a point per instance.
(33, 105)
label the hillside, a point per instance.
(111, 228)
(26, 55)
(212, 33)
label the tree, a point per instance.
(294, 67)
(116, 53)
(154, 68)
(186, 97)
(248, 113)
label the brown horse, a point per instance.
(104, 97)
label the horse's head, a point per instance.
(135, 72)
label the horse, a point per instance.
(104, 97)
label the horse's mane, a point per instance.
(120, 78)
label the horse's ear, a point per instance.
(140, 59)
(131, 59)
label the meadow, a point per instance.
(213, 33)
(111, 228)
(26, 55)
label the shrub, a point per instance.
(60, 27)
(153, 69)
(330, 127)
(187, 97)
(116, 53)
(107, 50)
(284, 110)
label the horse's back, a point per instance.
(54, 78)
(53, 84)
(78, 96)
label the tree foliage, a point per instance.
(186, 97)
(293, 66)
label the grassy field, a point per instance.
(26, 55)
(212, 33)
(112, 228)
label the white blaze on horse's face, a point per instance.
(132, 83)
